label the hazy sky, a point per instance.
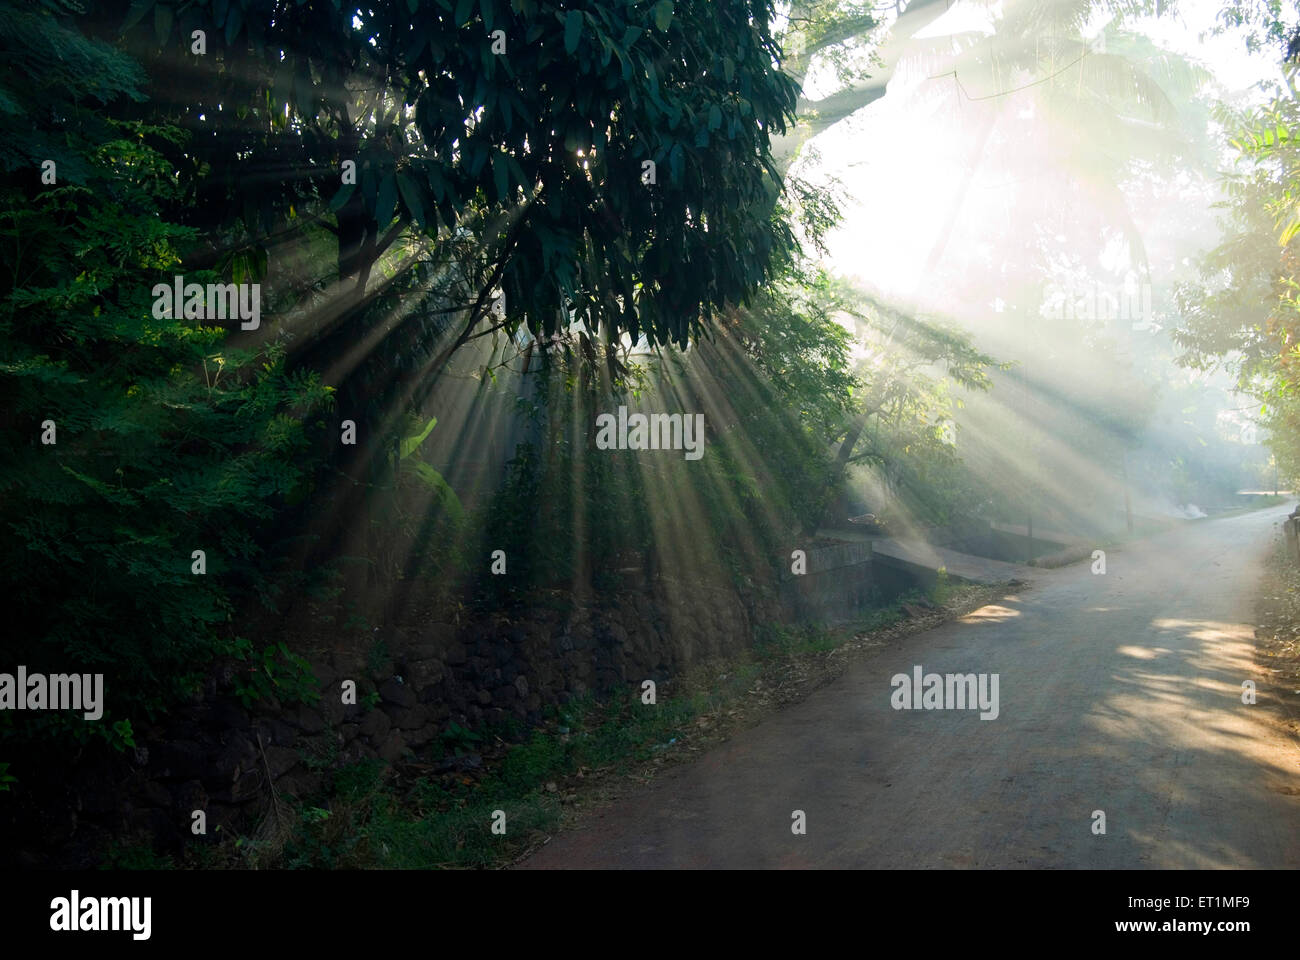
(902, 174)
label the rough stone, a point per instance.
(397, 693)
(178, 760)
(393, 747)
(424, 673)
(376, 725)
(248, 786)
(190, 796)
(421, 737)
(228, 716)
(410, 718)
(154, 794)
(331, 706)
(280, 760)
(424, 650)
(309, 720)
(355, 752)
(299, 783)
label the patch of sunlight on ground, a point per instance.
(993, 613)
(1202, 712)
(1141, 653)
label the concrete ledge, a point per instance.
(1063, 557)
(821, 559)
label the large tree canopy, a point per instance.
(528, 127)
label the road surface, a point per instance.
(1118, 693)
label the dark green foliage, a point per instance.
(521, 173)
(272, 671)
(1242, 314)
(538, 151)
(49, 62)
(418, 518)
(170, 438)
(770, 383)
(564, 517)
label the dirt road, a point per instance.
(1119, 693)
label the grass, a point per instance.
(370, 819)
(1277, 622)
(134, 856)
(410, 816)
(371, 816)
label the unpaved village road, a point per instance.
(1119, 692)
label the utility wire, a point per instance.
(1003, 93)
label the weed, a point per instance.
(942, 590)
(377, 656)
(458, 739)
(135, 856)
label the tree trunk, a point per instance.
(816, 116)
(931, 262)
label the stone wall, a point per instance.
(221, 758)
(838, 583)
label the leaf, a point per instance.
(234, 20)
(517, 171)
(477, 156)
(342, 197)
(501, 175)
(412, 443)
(462, 11)
(411, 197)
(663, 13)
(1292, 228)
(715, 117)
(630, 36)
(162, 23)
(572, 30)
(135, 14)
(248, 266)
(386, 201)
(675, 157)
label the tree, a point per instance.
(896, 357)
(1243, 313)
(844, 33)
(535, 152)
(141, 452)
